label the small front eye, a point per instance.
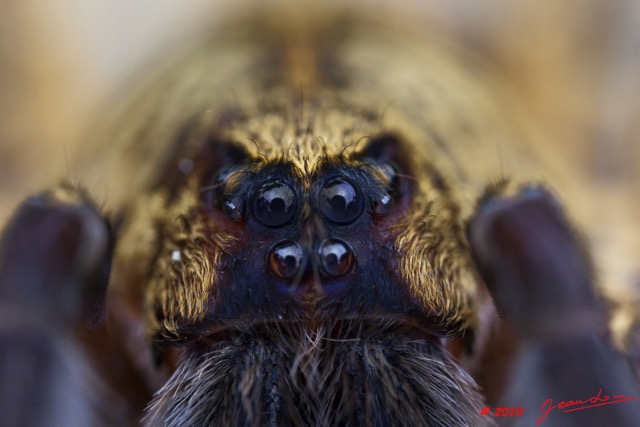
(340, 202)
(336, 258)
(274, 204)
(286, 259)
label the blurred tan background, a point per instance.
(574, 65)
(59, 61)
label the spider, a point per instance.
(304, 225)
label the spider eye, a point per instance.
(336, 258)
(286, 259)
(383, 204)
(340, 201)
(232, 209)
(274, 204)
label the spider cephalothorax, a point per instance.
(308, 281)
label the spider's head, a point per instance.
(307, 233)
(269, 259)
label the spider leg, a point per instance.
(540, 277)
(54, 265)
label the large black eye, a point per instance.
(274, 204)
(336, 258)
(340, 201)
(286, 259)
